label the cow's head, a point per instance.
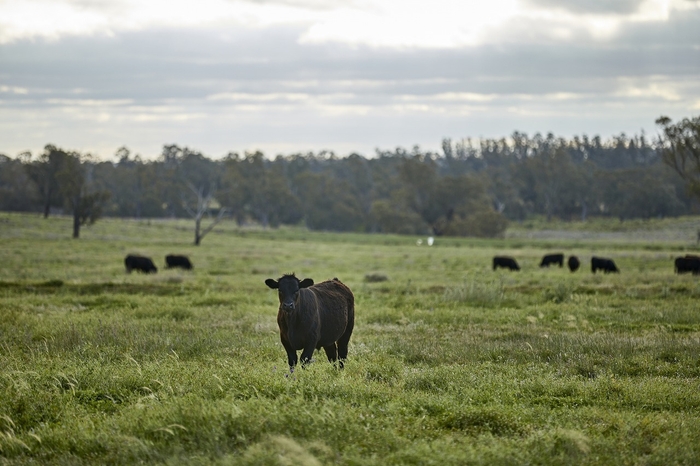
(288, 290)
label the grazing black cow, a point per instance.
(313, 317)
(573, 263)
(601, 263)
(505, 262)
(687, 264)
(139, 263)
(172, 260)
(552, 259)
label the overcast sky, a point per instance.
(286, 76)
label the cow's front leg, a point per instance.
(306, 354)
(291, 354)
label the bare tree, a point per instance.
(203, 208)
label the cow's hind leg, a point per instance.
(332, 352)
(343, 345)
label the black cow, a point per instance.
(687, 264)
(313, 317)
(139, 263)
(573, 263)
(552, 259)
(601, 263)
(173, 260)
(505, 262)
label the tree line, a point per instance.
(471, 188)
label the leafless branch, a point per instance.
(218, 219)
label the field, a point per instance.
(450, 362)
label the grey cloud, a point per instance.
(677, 37)
(177, 69)
(590, 6)
(193, 64)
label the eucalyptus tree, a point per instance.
(681, 149)
(329, 204)
(44, 173)
(17, 191)
(82, 197)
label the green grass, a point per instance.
(450, 362)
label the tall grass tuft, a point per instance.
(281, 450)
(477, 293)
(559, 293)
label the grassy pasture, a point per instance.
(450, 362)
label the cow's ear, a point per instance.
(272, 283)
(305, 283)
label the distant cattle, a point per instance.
(506, 262)
(312, 317)
(173, 260)
(687, 264)
(573, 263)
(139, 263)
(549, 259)
(606, 265)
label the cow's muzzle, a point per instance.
(288, 306)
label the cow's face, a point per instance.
(288, 290)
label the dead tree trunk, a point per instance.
(76, 224)
(75, 204)
(47, 204)
(202, 209)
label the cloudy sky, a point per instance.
(287, 76)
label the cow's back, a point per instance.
(173, 260)
(131, 262)
(596, 263)
(506, 262)
(552, 259)
(689, 263)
